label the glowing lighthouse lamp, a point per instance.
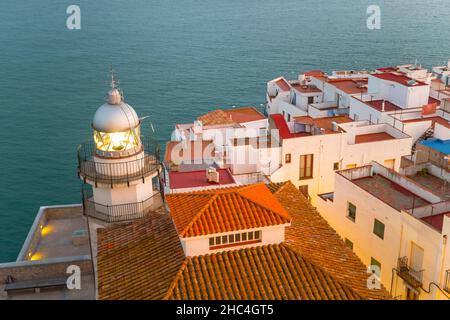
(118, 166)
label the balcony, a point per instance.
(117, 172)
(412, 277)
(121, 212)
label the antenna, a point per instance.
(114, 82)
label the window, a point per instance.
(336, 166)
(310, 100)
(288, 117)
(306, 166)
(376, 266)
(348, 243)
(351, 166)
(294, 99)
(287, 158)
(378, 228)
(304, 190)
(389, 163)
(351, 211)
(235, 239)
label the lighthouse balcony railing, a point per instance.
(101, 170)
(120, 212)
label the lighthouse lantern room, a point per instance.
(120, 169)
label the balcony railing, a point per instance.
(102, 171)
(409, 275)
(447, 281)
(120, 212)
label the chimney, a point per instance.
(383, 105)
(212, 175)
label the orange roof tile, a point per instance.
(244, 114)
(216, 117)
(225, 210)
(144, 260)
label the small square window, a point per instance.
(287, 158)
(378, 228)
(336, 166)
(258, 235)
(310, 100)
(348, 243)
(237, 237)
(211, 241)
(218, 240)
(351, 211)
(244, 237)
(224, 239)
(231, 238)
(250, 236)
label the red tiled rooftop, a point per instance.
(398, 78)
(372, 137)
(283, 84)
(324, 123)
(193, 179)
(314, 73)
(225, 210)
(350, 86)
(437, 220)
(244, 114)
(306, 88)
(388, 106)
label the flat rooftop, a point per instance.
(194, 179)
(305, 88)
(372, 137)
(61, 237)
(244, 114)
(378, 105)
(390, 192)
(399, 78)
(350, 86)
(433, 184)
(325, 123)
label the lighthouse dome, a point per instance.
(115, 115)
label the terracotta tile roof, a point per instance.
(225, 210)
(139, 260)
(144, 260)
(216, 117)
(283, 84)
(259, 273)
(312, 237)
(244, 114)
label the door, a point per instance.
(416, 260)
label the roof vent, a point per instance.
(412, 82)
(212, 175)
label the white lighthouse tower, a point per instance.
(119, 167)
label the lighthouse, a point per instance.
(119, 167)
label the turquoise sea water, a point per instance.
(175, 60)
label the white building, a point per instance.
(398, 224)
(313, 148)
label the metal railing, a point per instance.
(120, 171)
(447, 281)
(408, 274)
(120, 212)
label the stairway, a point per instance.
(426, 135)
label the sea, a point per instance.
(175, 60)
